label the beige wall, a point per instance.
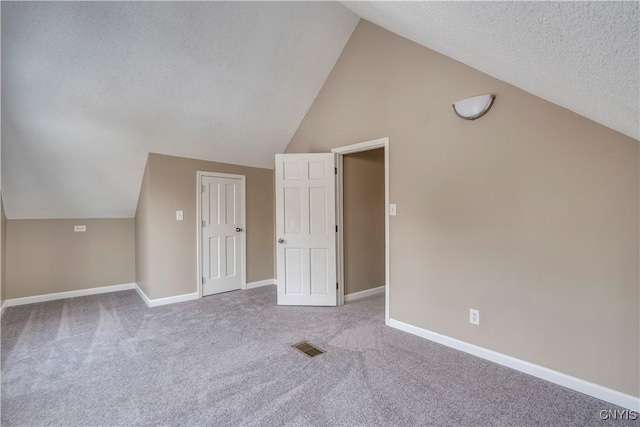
(169, 260)
(529, 214)
(143, 238)
(3, 252)
(47, 256)
(363, 183)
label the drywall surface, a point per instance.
(144, 247)
(170, 255)
(581, 55)
(47, 256)
(363, 220)
(89, 88)
(3, 253)
(529, 214)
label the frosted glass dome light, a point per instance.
(474, 107)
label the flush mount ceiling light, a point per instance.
(474, 107)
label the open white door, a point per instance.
(306, 229)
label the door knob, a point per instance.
(238, 229)
(281, 240)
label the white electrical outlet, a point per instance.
(79, 228)
(179, 215)
(474, 316)
(392, 209)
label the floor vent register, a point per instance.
(308, 349)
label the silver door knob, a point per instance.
(238, 229)
(281, 240)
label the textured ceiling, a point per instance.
(88, 89)
(583, 56)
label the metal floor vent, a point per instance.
(308, 349)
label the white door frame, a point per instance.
(341, 152)
(243, 220)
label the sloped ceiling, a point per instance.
(583, 56)
(88, 89)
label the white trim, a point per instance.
(259, 283)
(363, 294)
(340, 224)
(4, 305)
(341, 152)
(68, 294)
(362, 146)
(164, 301)
(144, 296)
(243, 220)
(573, 383)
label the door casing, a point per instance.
(243, 216)
(341, 152)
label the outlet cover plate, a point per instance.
(474, 316)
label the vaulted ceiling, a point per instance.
(581, 55)
(89, 88)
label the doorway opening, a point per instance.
(362, 202)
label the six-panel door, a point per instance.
(222, 267)
(305, 229)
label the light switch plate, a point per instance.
(392, 209)
(179, 215)
(79, 228)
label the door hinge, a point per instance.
(337, 287)
(204, 280)
(204, 223)
(336, 228)
(335, 171)
(203, 189)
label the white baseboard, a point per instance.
(259, 283)
(4, 305)
(68, 294)
(164, 301)
(363, 294)
(582, 386)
